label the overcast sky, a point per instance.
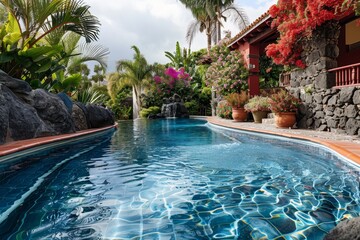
(153, 25)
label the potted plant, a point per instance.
(285, 106)
(259, 107)
(237, 102)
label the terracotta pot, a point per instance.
(285, 119)
(259, 115)
(239, 114)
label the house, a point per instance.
(329, 86)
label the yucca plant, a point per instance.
(90, 96)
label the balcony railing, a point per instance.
(347, 75)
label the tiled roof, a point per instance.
(241, 34)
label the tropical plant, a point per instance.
(182, 58)
(227, 72)
(269, 72)
(237, 100)
(120, 106)
(145, 112)
(208, 16)
(224, 110)
(283, 101)
(32, 46)
(39, 19)
(134, 73)
(296, 21)
(258, 103)
(173, 81)
(90, 95)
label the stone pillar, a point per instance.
(319, 53)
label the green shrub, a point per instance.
(145, 112)
(224, 110)
(192, 106)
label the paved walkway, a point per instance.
(348, 146)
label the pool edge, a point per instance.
(326, 143)
(16, 148)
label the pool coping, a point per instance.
(17, 147)
(340, 147)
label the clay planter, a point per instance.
(259, 115)
(285, 119)
(239, 114)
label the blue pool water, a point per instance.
(177, 179)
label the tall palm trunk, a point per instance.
(218, 12)
(136, 101)
(208, 36)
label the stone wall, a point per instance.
(324, 108)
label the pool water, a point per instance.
(177, 179)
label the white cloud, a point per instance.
(152, 25)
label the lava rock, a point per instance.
(79, 118)
(99, 116)
(345, 230)
(356, 97)
(351, 111)
(53, 111)
(15, 85)
(4, 118)
(346, 95)
(23, 120)
(67, 101)
(352, 126)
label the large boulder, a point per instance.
(66, 100)
(345, 230)
(79, 117)
(53, 111)
(99, 116)
(19, 119)
(15, 85)
(4, 117)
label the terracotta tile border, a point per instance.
(22, 145)
(349, 150)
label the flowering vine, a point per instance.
(173, 81)
(296, 20)
(227, 72)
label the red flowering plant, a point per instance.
(283, 101)
(173, 81)
(296, 20)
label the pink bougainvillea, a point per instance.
(173, 81)
(296, 20)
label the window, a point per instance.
(352, 34)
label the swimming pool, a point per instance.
(177, 179)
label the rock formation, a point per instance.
(27, 113)
(345, 230)
(174, 108)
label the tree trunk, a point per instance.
(218, 25)
(136, 102)
(208, 35)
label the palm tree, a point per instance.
(224, 9)
(39, 19)
(202, 22)
(209, 15)
(134, 73)
(36, 37)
